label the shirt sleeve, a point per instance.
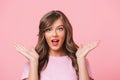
(89, 69)
(25, 71)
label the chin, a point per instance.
(55, 48)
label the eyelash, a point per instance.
(60, 28)
(49, 29)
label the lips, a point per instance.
(54, 42)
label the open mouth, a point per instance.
(55, 42)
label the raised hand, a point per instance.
(31, 55)
(83, 50)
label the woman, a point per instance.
(56, 56)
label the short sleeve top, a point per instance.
(58, 68)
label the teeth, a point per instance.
(55, 40)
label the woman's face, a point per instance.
(55, 35)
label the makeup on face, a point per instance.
(57, 29)
(55, 35)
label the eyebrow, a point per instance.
(60, 25)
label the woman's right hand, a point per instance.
(31, 55)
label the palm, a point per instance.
(29, 54)
(83, 51)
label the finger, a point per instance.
(81, 46)
(22, 50)
(22, 47)
(19, 49)
(33, 49)
(98, 42)
(31, 52)
(93, 45)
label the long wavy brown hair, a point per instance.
(42, 47)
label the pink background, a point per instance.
(91, 19)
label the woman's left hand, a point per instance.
(83, 50)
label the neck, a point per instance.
(57, 53)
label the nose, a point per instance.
(54, 33)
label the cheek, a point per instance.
(47, 38)
(63, 37)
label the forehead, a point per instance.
(57, 23)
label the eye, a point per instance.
(48, 30)
(60, 28)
